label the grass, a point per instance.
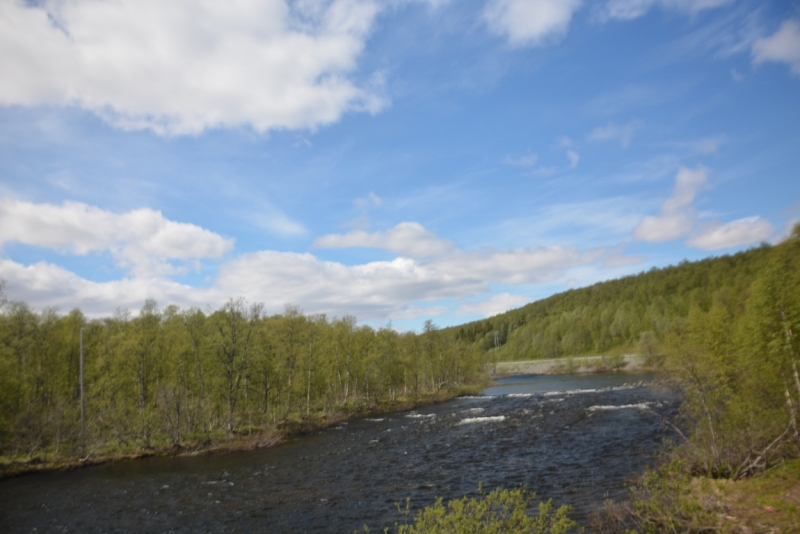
(767, 503)
(669, 500)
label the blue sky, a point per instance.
(396, 160)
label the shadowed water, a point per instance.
(576, 439)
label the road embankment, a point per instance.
(570, 365)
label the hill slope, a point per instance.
(618, 314)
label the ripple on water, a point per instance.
(577, 451)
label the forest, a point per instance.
(171, 378)
(617, 315)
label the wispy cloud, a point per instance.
(526, 161)
(633, 9)
(709, 145)
(610, 132)
(574, 158)
(371, 200)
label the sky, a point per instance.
(394, 160)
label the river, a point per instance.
(577, 439)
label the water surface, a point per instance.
(576, 439)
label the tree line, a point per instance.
(165, 378)
(617, 314)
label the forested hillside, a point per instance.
(619, 314)
(172, 377)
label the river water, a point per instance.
(577, 439)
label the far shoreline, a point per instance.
(568, 365)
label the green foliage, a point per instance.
(173, 378)
(500, 511)
(614, 314)
(736, 363)
(664, 501)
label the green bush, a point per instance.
(501, 511)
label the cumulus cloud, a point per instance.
(182, 68)
(530, 22)
(783, 46)
(372, 291)
(610, 132)
(733, 234)
(404, 287)
(510, 266)
(44, 285)
(677, 217)
(141, 239)
(632, 9)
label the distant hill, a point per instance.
(615, 315)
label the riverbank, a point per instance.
(670, 500)
(570, 365)
(255, 438)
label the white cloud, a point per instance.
(44, 285)
(783, 46)
(530, 22)
(141, 239)
(182, 68)
(610, 132)
(492, 306)
(514, 266)
(410, 239)
(511, 266)
(677, 217)
(428, 270)
(382, 289)
(632, 9)
(733, 234)
(371, 291)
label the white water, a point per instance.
(490, 419)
